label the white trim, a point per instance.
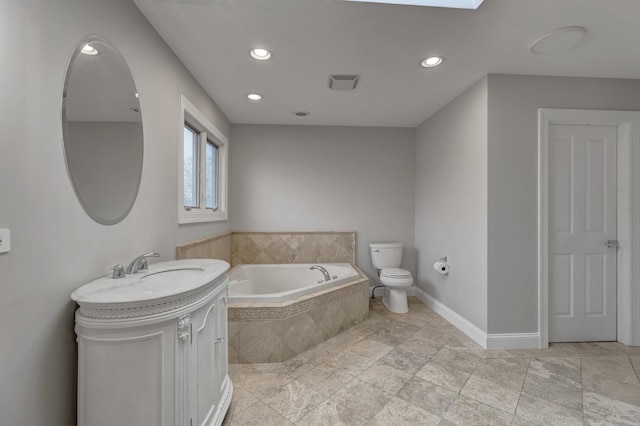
(461, 323)
(196, 118)
(513, 341)
(628, 124)
(487, 341)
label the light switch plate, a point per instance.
(5, 240)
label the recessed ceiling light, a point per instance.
(89, 50)
(255, 96)
(301, 113)
(432, 61)
(260, 54)
(558, 41)
(453, 4)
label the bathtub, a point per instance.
(278, 283)
(279, 311)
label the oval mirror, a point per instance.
(102, 130)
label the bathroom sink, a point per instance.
(161, 280)
(177, 272)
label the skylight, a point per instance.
(452, 4)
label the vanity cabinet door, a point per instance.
(123, 377)
(205, 390)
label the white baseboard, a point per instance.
(468, 328)
(487, 341)
(513, 341)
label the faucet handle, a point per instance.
(143, 265)
(118, 271)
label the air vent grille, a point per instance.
(343, 82)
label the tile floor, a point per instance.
(417, 369)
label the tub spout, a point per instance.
(327, 277)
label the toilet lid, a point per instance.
(395, 273)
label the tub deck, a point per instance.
(272, 283)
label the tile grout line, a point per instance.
(634, 369)
(414, 374)
(395, 347)
(462, 387)
(581, 389)
(526, 373)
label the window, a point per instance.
(202, 168)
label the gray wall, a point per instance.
(307, 178)
(451, 204)
(513, 156)
(56, 247)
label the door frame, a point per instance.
(628, 214)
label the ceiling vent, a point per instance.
(343, 82)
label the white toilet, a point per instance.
(386, 258)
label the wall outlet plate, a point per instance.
(5, 240)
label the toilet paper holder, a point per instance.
(441, 266)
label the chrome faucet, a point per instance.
(327, 277)
(140, 263)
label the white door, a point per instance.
(582, 218)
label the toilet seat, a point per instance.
(395, 273)
(396, 282)
(396, 277)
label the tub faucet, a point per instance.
(140, 263)
(327, 277)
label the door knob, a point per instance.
(611, 243)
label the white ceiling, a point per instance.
(384, 43)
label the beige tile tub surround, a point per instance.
(216, 247)
(273, 247)
(293, 247)
(276, 332)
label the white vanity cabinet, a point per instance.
(152, 347)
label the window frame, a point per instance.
(207, 133)
(216, 151)
(195, 143)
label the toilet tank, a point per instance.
(386, 255)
